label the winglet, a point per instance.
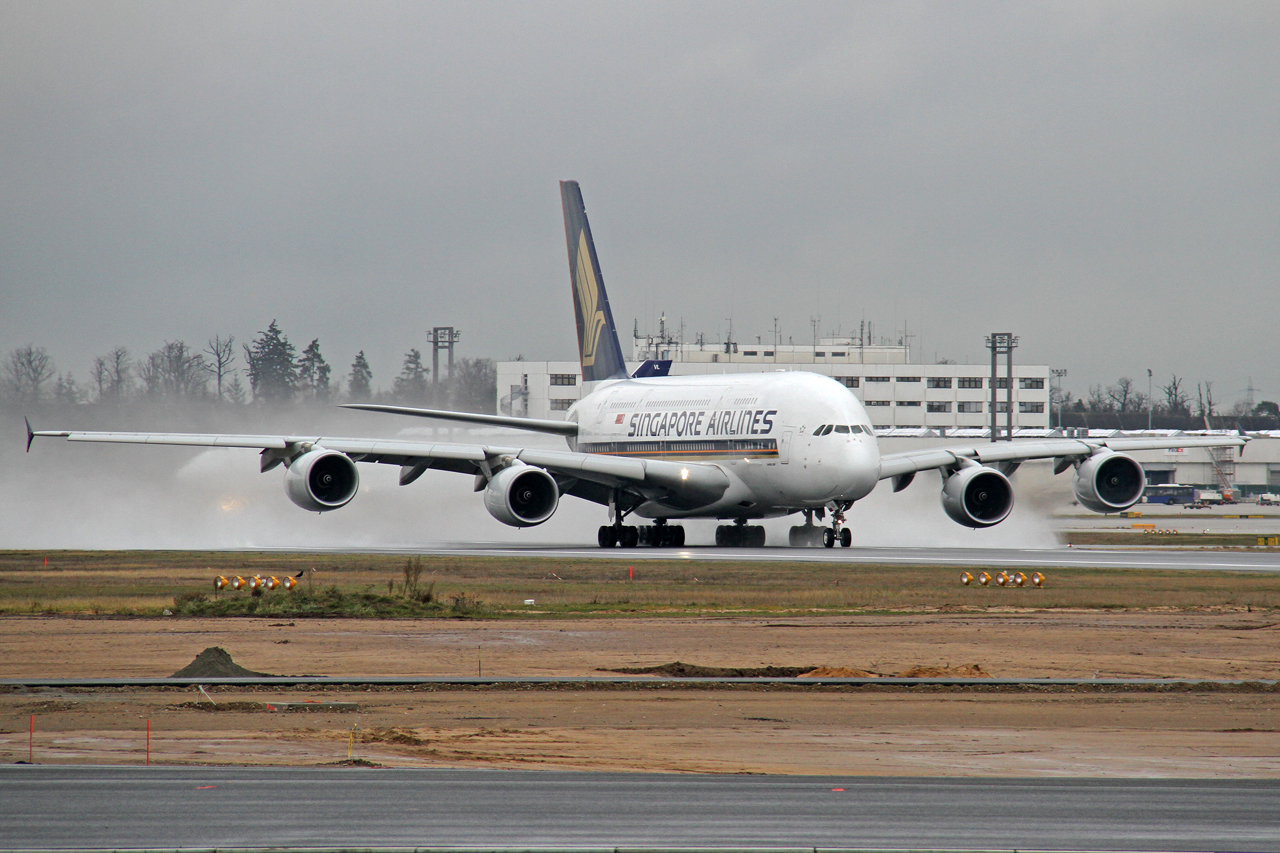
(30, 435)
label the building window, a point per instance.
(1031, 384)
(750, 352)
(876, 403)
(908, 378)
(561, 405)
(1031, 408)
(938, 407)
(969, 408)
(819, 355)
(908, 402)
(1273, 475)
(1002, 407)
(1000, 382)
(877, 378)
(768, 353)
(847, 381)
(969, 382)
(939, 382)
(839, 354)
(564, 379)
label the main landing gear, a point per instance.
(740, 535)
(809, 535)
(658, 535)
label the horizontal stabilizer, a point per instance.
(653, 367)
(527, 424)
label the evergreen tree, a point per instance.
(358, 384)
(411, 384)
(273, 375)
(313, 372)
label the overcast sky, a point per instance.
(1099, 178)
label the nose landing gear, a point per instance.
(837, 530)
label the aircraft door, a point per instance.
(784, 446)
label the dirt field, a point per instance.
(811, 730)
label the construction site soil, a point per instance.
(966, 731)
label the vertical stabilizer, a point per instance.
(597, 336)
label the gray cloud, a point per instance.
(1099, 178)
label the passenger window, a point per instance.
(842, 428)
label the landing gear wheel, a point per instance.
(828, 538)
(846, 537)
(607, 536)
(630, 536)
(677, 537)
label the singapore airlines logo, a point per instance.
(589, 312)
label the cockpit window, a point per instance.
(842, 428)
(855, 428)
(822, 430)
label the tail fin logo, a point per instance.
(593, 322)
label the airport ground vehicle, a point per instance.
(1169, 493)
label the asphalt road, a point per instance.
(1239, 561)
(166, 808)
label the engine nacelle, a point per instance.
(320, 480)
(521, 495)
(1109, 482)
(976, 496)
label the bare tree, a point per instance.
(26, 370)
(1098, 400)
(174, 370)
(223, 354)
(1175, 399)
(1205, 394)
(1121, 394)
(113, 375)
(473, 385)
(66, 389)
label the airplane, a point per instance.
(736, 447)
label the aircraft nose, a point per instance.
(858, 469)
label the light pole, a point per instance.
(1058, 373)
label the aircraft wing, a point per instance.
(527, 424)
(905, 464)
(590, 476)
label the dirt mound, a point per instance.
(973, 670)
(679, 669)
(214, 662)
(838, 672)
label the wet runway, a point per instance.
(1002, 558)
(163, 808)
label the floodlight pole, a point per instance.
(1148, 399)
(1001, 344)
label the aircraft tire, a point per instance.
(677, 537)
(795, 536)
(846, 537)
(828, 538)
(630, 537)
(607, 536)
(756, 537)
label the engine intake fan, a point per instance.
(977, 496)
(1109, 482)
(320, 480)
(521, 495)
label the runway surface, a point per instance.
(167, 808)
(1210, 560)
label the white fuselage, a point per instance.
(758, 428)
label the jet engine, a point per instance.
(521, 495)
(320, 480)
(977, 496)
(1109, 482)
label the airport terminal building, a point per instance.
(897, 393)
